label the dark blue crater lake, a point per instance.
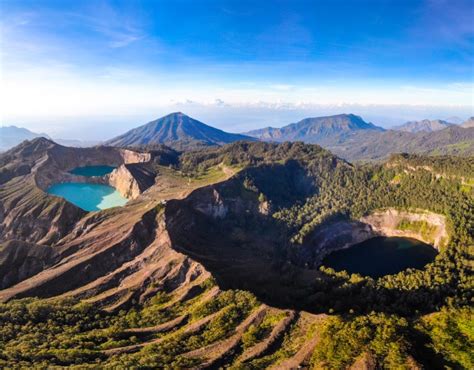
(90, 171)
(89, 197)
(381, 256)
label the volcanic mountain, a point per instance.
(316, 129)
(177, 131)
(425, 125)
(215, 261)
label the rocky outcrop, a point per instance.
(428, 227)
(131, 180)
(264, 208)
(130, 156)
(214, 208)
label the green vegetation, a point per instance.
(257, 333)
(452, 334)
(445, 165)
(66, 332)
(445, 338)
(416, 316)
(426, 230)
(244, 154)
(382, 336)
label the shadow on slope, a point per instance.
(226, 228)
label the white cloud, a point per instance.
(123, 41)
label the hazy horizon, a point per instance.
(231, 119)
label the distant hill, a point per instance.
(454, 119)
(425, 125)
(11, 136)
(469, 123)
(316, 129)
(77, 143)
(453, 140)
(177, 131)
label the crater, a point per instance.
(88, 196)
(92, 171)
(381, 256)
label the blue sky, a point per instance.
(71, 65)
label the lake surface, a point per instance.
(381, 256)
(90, 171)
(89, 197)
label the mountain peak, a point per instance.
(424, 125)
(316, 129)
(178, 131)
(176, 114)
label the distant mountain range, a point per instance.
(350, 137)
(425, 125)
(177, 131)
(11, 136)
(454, 140)
(346, 135)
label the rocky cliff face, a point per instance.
(130, 156)
(428, 227)
(122, 180)
(131, 180)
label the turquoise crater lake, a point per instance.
(381, 256)
(91, 171)
(89, 197)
